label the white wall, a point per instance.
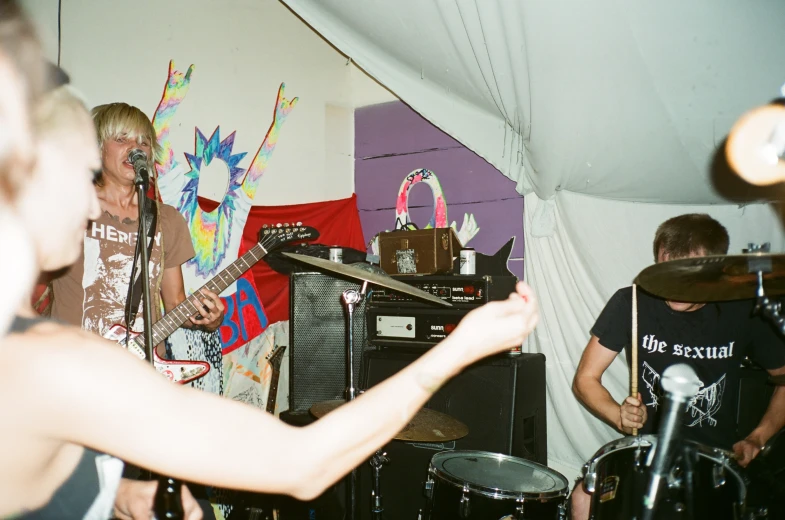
(243, 50)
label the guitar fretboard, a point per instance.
(173, 319)
(272, 395)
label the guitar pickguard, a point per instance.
(180, 372)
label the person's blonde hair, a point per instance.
(20, 46)
(121, 119)
(59, 110)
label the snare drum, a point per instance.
(489, 486)
(703, 482)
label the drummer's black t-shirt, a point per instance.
(713, 340)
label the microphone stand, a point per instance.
(167, 494)
(141, 192)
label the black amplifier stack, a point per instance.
(500, 399)
(399, 320)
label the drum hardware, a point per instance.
(351, 298)
(464, 507)
(378, 460)
(718, 476)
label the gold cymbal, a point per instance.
(426, 426)
(367, 276)
(714, 278)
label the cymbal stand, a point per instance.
(377, 461)
(351, 298)
(760, 266)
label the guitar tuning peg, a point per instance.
(286, 225)
(264, 226)
(278, 225)
(299, 223)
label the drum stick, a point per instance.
(634, 349)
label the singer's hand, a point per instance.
(134, 501)
(746, 450)
(212, 314)
(632, 414)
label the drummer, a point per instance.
(713, 338)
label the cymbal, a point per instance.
(714, 278)
(426, 426)
(367, 276)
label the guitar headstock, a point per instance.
(276, 356)
(274, 236)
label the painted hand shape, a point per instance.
(469, 229)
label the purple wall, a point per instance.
(391, 140)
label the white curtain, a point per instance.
(624, 100)
(579, 251)
(593, 108)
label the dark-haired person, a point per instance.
(713, 338)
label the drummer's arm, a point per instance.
(772, 422)
(588, 388)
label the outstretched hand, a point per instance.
(498, 326)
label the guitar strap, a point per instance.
(135, 288)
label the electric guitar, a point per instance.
(183, 372)
(274, 358)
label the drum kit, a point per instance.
(699, 481)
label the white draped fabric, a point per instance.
(624, 100)
(593, 108)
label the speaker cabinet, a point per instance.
(317, 339)
(501, 400)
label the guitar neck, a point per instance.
(273, 393)
(174, 319)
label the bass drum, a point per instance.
(478, 485)
(703, 482)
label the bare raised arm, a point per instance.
(98, 396)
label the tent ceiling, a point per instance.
(624, 100)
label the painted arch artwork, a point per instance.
(438, 219)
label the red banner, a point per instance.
(338, 223)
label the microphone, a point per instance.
(680, 384)
(138, 160)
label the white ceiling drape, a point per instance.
(623, 100)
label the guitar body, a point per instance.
(186, 371)
(180, 372)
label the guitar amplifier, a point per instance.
(464, 291)
(395, 319)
